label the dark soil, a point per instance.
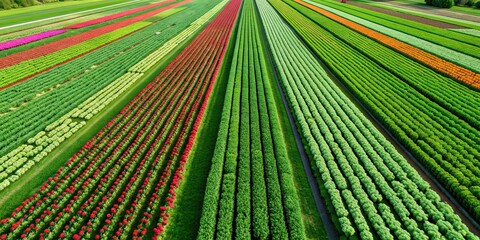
(423, 20)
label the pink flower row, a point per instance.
(29, 39)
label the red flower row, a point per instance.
(70, 41)
(118, 180)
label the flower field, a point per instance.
(238, 119)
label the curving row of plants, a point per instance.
(372, 191)
(116, 186)
(250, 191)
(445, 144)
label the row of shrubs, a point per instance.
(469, 3)
(9, 4)
(450, 3)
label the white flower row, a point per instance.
(443, 52)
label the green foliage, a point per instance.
(344, 144)
(431, 138)
(470, 3)
(5, 4)
(250, 153)
(442, 3)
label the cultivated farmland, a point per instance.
(238, 119)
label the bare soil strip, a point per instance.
(423, 20)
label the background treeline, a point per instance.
(9, 4)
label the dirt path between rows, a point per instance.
(330, 229)
(432, 10)
(423, 20)
(444, 194)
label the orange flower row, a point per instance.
(457, 72)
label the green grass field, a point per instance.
(34, 13)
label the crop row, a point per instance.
(472, 32)
(29, 67)
(456, 41)
(34, 104)
(116, 15)
(14, 164)
(10, 75)
(49, 26)
(33, 53)
(23, 31)
(115, 186)
(445, 144)
(465, 55)
(449, 68)
(17, 94)
(250, 191)
(454, 97)
(372, 190)
(17, 162)
(29, 39)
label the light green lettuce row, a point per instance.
(464, 60)
(26, 68)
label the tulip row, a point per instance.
(40, 51)
(29, 39)
(454, 97)
(115, 16)
(45, 141)
(26, 68)
(446, 145)
(51, 26)
(445, 37)
(469, 75)
(462, 54)
(54, 25)
(27, 107)
(250, 185)
(109, 189)
(372, 191)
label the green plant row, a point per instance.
(445, 144)
(70, 32)
(250, 189)
(26, 68)
(451, 20)
(454, 97)
(456, 41)
(32, 105)
(373, 191)
(26, 91)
